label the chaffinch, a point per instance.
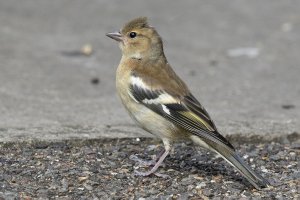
(161, 103)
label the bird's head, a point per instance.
(138, 40)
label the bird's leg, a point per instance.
(158, 163)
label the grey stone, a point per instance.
(241, 60)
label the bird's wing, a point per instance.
(184, 111)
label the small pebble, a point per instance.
(95, 81)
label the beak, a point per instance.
(115, 35)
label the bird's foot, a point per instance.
(138, 173)
(142, 163)
(156, 164)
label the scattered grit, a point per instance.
(102, 169)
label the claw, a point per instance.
(165, 176)
(138, 173)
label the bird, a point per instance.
(160, 102)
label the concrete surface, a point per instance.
(240, 58)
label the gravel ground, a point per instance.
(101, 169)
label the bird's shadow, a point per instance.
(203, 163)
(186, 157)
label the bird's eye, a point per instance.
(132, 34)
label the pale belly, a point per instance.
(152, 122)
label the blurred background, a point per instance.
(57, 70)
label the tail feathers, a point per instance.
(230, 155)
(255, 179)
